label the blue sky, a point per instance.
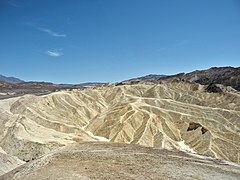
(74, 41)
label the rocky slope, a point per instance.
(227, 76)
(8, 162)
(175, 115)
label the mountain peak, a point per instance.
(10, 79)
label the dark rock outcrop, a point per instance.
(213, 88)
(227, 76)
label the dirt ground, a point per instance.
(97, 160)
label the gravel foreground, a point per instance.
(98, 160)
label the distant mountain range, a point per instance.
(13, 87)
(10, 79)
(17, 80)
(227, 76)
(216, 79)
(8, 90)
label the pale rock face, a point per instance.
(175, 115)
(8, 162)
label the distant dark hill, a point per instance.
(153, 78)
(150, 77)
(227, 76)
(10, 79)
(147, 78)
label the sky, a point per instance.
(76, 41)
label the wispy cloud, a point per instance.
(50, 32)
(45, 30)
(12, 3)
(54, 53)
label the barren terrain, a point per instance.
(175, 115)
(120, 161)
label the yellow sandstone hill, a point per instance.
(174, 115)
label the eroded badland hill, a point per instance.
(176, 115)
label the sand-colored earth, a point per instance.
(175, 115)
(120, 161)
